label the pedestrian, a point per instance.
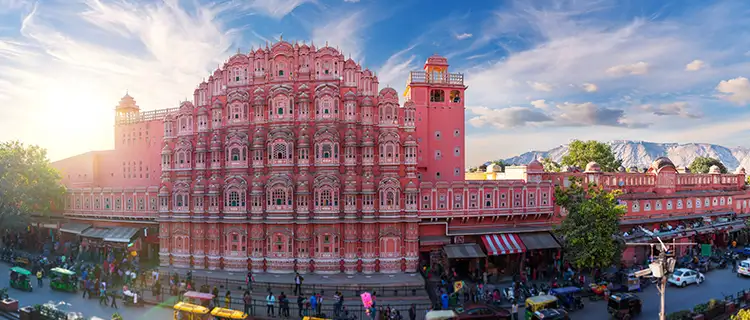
(283, 305)
(85, 288)
(734, 265)
(114, 300)
(247, 299)
(39, 275)
(215, 293)
(103, 296)
(249, 280)
(319, 296)
(514, 310)
(270, 301)
(300, 304)
(228, 300)
(313, 302)
(413, 312)
(298, 283)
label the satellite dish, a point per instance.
(621, 183)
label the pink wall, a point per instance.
(78, 171)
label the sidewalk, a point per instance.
(334, 280)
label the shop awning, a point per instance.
(539, 240)
(121, 234)
(464, 250)
(505, 243)
(74, 228)
(97, 233)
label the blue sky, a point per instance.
(540, 73)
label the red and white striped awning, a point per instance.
(500, 244)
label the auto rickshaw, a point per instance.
(228, 314)
(624, 306)
(314, 318)
(20, 278)
(63, 280)
(550, 314)
(22, 262)
(187, 311)
(568, 297)
(537, 303)
(200, 298)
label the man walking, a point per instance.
(114, 300)
(248, 300)
(39, 276)
(298, 283)
(514, 310)
(249, 281)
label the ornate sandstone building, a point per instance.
(290, 158)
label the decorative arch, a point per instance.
(390, 148)
(390, 246)
(280, 147)
(327, 148)
(388, 113)
(327, 193)
(181, 196)
(280, 193)
(236, 149)
(280, 242)
(389, 193)
(235, 193)
(235, 241)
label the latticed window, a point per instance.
(279, 197)
(280, 151)
(234, 199)
(325, 198)
(326, 150)
(235, 154)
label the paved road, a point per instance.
(74, 303)
(718, 283)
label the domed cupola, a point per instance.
(215, 143)
(201, 145)
(714, 170)
(351, 138)
(661, 163)
(740, 170)
(367, 139)
(163, 191)
(633, 169)
(621, 169)
(534, 166)
(593, 167)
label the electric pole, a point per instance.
(662, 266)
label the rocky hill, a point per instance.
(641, 153)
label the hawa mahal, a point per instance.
(290, 158)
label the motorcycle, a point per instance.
(543, 289)
(722, 264)
(508, 294)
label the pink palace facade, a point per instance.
(290, 158)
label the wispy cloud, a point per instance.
(637, 68)
(681, 109)
(695, 65)
(464, 36)
(396, 69)
(344, 32)
(274, 8)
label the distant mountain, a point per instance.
(640, 154)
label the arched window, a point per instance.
(326, 198)
(437, 95)
(327, 246)
(235, 198)
(279, 245)
(327, 152)
(455, 96)
(279, 196)
(390, 247)
(235, 154)
(235, 244)
(326, 108)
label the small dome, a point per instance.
(592, 167)
(163, 190)
(569, 169)
(535, 164)
(740, 170)
(662, 162)
(166, 149)
(621, 169)
(714, 170)
(633, 169)
(493, 167)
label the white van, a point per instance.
(743, 268)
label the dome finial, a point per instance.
(281, 37)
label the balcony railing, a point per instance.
(147, 116)
(443, 78)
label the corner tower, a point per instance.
(438, 97)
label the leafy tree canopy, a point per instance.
(593, 220)
(549, 165)
(27, 183)
(580, 153)
(703, 164)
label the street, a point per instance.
(72, 302)
(718, 283)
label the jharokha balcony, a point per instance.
(417, 77)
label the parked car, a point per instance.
(483, 312)
(683, 277)
(743, 268)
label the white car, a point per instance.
(743, 268)
(683, 277)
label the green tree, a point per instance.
(28, 184)
(703, 164)
(549, 165)
(580, 153)
(593, 219)
(501, 164)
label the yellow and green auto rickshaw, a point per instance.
(537, 303)
(63, 280)
(188, 311)
(20, 278)
(228, 314)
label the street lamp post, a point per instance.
(660, 269)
